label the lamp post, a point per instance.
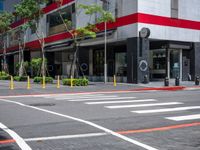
(105, 54)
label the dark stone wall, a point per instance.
(137, 55)
(195, 60)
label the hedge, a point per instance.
(40, 79)
(3, 73)
(75, 82)
(7, 77)
(22, 78)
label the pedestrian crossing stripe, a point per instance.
(123, 101)
(143, 105)
(72, 98)
(184, 118)
(101, 99)
(73, 95)
(166, 110)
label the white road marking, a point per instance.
(145, 146)
(182, 118)
(80, 97)
(104, 99)
(72, 96)
(142, 105)
(78, 93)
(65, 137)
(166, 110)
(21, 143)
(117, 102)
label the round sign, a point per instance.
(145, 32)
(84, 66)
(143, 65)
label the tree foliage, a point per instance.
(5, 21)
(36, 65)
(29, 9)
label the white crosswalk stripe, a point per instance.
(73, 96)
(101, 99)
(143, 105)
(97, 97)
(166, 110)
(123, 101)
(184, 118)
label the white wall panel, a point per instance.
(126, 7)
(155, 7)
(189, 9)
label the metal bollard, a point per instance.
(43, 82)
(11, 83)
(114, 81)
(146, 79)
(71, 82)
(177, 81)
(58, 82)
(28, 83)
(197, 80)
(166, 81)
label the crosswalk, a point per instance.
(132, 104)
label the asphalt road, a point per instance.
(107, 121)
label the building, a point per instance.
(153, 39)
(1, 5)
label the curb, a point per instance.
(149, 89)
(171, 88)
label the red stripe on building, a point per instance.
(166, 21)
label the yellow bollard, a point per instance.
(43, 82)
(11, 83)
(58, 82)
(28, 83)
(71, 82)
(114, 81)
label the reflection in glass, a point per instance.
(174, 63)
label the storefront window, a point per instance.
(98, 58)
(120, 64)
(158, 63)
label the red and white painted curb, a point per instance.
(136, 90)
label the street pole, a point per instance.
(105, 54)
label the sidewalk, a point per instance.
(20, 88)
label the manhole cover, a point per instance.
(42, 104)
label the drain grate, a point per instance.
(42, 104)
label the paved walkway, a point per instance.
(21, 87)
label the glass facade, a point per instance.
(1, 5)
(175, 65)
(120, 64)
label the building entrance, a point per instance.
(175, 63)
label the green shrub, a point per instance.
(3, 73)
(40, 79)
(5, 77)
(22, 78)
(75, 82)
